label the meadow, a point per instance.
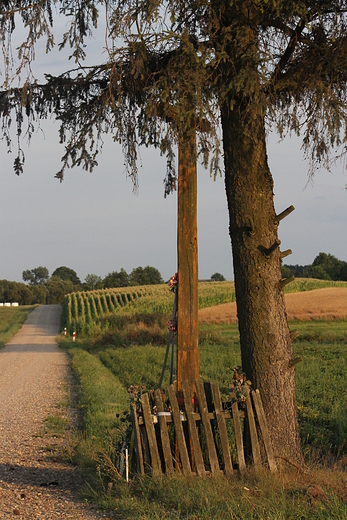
(11, 320)
(127, 347)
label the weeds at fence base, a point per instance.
(317, 493)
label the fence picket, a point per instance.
(264, 430)
(238, 433)
(194, 438)
(137, 439)
(164, 434)
(181, 442)
(152, 442)
(228, 467)
(211, 447)
(253, 431)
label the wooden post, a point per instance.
(187, 246)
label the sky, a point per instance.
(94, 223)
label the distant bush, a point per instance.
(324, 267)
(217, 277)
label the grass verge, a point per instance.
(102, 400)
(11, 320)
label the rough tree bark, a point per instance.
(266, 348)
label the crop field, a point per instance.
(83, 310)
(328, 303)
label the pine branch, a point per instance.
(287, 53)
(24, 8)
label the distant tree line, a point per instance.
(51, 291)
(42, 289)
(324, 267)
(139, 276)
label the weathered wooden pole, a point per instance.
(187, 246)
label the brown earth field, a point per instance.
(320, 304)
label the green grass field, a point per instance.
(11, 320)
(125, 355)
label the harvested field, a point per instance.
(320, 304)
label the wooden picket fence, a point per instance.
(199, 442)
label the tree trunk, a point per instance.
(266, 348)
(187, 246)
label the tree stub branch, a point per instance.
(285, 253)
(285, 281)
(269, 250)
(284, 214)
(295, 361)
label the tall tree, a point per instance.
(93, 281)
(116, 279)
(66, 274)
(145, 276)
(36, 276)
(330, 264)
(249, 64)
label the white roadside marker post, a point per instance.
(73, 336)
(126, 465)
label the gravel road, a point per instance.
(33, 379)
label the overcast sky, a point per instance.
(93, 223)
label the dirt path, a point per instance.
(33, 377)
(321, 304)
